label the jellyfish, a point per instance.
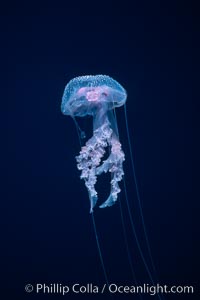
(97, 96)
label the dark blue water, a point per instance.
(47, 233)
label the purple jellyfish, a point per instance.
(97, 96)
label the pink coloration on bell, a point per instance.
(93, 95)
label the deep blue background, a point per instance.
(47, 230)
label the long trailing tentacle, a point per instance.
(96, 236)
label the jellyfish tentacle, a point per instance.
(90, 157)
(114, 164)
(89, 161)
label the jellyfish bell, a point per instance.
(97, 96)
(82, 95)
